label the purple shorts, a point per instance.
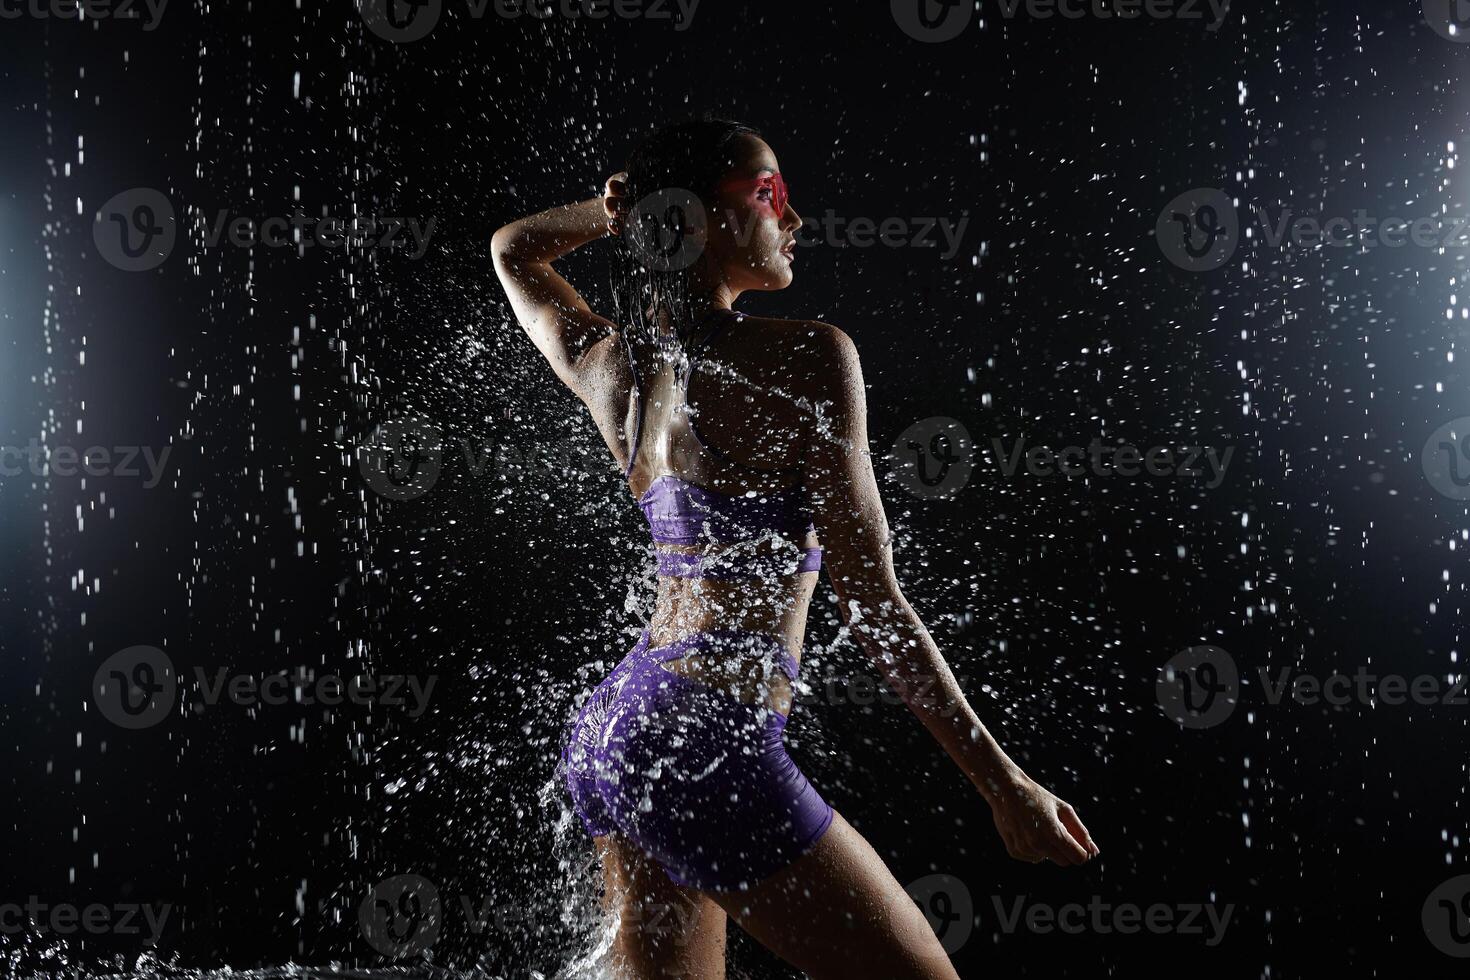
(698, 779)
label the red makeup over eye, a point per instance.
(775, 183)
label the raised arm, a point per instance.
(553, 313)
(1034, 824)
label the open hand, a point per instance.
(1036, 825)
(615, 201)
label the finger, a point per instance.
(1075, 827)
(1064, 849)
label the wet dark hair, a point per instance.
(664, 169)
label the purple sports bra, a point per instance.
(752, 526)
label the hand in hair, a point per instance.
(615, 201)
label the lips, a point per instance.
(789, 249)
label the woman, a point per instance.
(744, 440)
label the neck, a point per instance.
(701, 305)
(707, 298)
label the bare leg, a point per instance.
(665, 930)
(837, 912)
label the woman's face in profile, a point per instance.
(751, 227)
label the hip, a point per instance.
(752, 668)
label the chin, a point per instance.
(778, 275)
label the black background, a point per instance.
(1057, 599)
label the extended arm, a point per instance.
(1034, 824)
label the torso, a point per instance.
(747, 396)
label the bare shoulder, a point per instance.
(820, 359)
(819, 362)
(836, 351)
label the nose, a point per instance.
(790, 219)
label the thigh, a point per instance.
(664, 929)
(838, 912)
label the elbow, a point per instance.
(502, 243)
